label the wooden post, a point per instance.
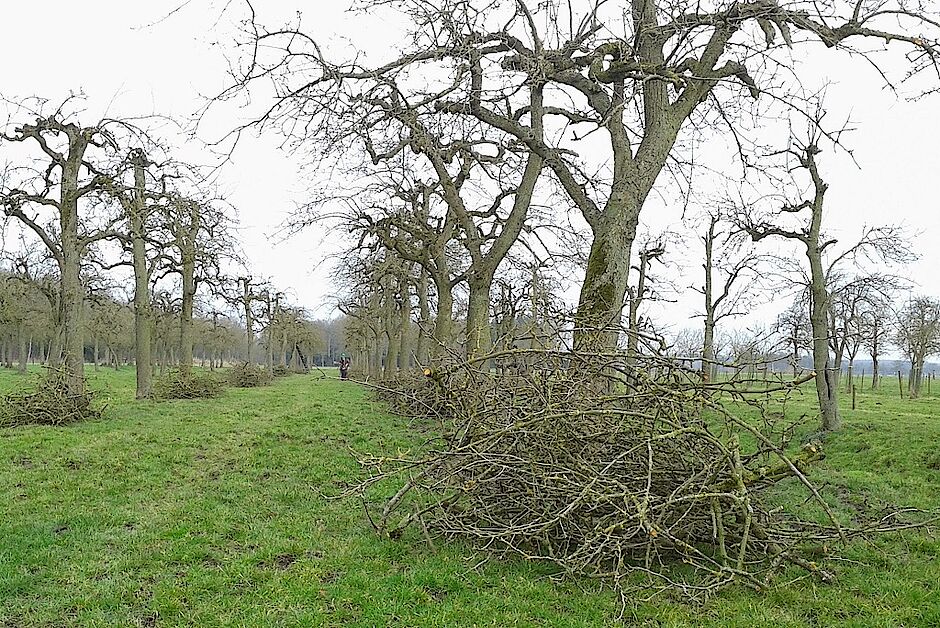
(900, 385)
(853, 397)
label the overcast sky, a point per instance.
(131, 59)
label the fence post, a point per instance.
(853, 396)
(900, 385)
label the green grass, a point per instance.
(209, 513)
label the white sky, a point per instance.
(113, 51)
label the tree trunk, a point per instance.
(917, 374)
(186, 313)
(392, 331)
(827, 385)
(249, 321)
(479, 340)
(143, 312)
(444, 318)
(72, 299)
(406, 349)
(600, 304)
(21, 337)
(708, 350)
(424, 319)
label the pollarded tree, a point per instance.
(917, 334)
(23, 309)
(34, 267)
(138, 205)
(197, 242)
(419, 228)
(56, 195)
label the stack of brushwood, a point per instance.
(48, 401)
(281, 371)
(608, 467)
(178, 385)
(249, 375)
(413, 394)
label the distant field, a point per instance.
(208, 513)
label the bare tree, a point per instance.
(652, 250)
(197, 242)
(794, 328)
(645, 76)
(57, 197)
(825, 262)
(918, 335)
(852, 297)
(138, 205)
(875, 332)
(728, 257)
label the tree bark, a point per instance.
(601, 302)
(72, 292)
(479, 338)
(444, 317)
(406, 349)
(424, 318)
(143, 311)
(21, 337)
(827, 382)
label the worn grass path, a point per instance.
(208, 513)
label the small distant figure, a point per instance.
(344, 366)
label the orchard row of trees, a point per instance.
(91, 207)
(510, 141)
(28, 331)
(877, 327)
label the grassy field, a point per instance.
(209, 513)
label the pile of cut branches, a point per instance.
(281, 371)
(248, 375)
(607, 467)
(176, 385)
(47, 401)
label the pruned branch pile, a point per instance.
(47, 402)
(607, 467)
(249, 375)
(176, 385)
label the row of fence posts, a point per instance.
(927, 379)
